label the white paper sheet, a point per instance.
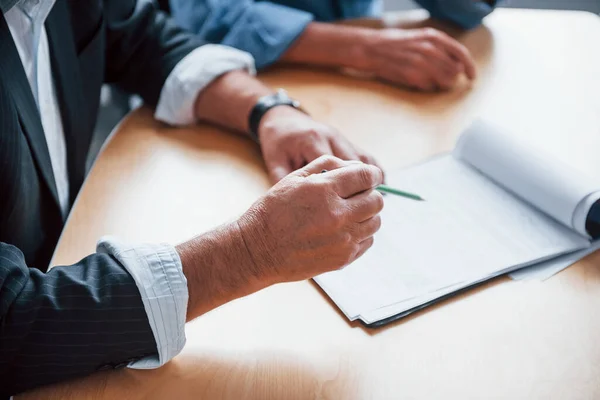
(547, 269)
(540, 271)
(468, 227)
(551, 186)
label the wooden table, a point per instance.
(539, 75)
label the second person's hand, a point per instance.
(291, 139)
(425, 59)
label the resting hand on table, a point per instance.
(307, 224)
(424, 59)
(290, 139)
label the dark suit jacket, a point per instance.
(72, 320)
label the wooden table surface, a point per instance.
(539, 75)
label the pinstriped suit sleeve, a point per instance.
(158, 274)
(68, 322)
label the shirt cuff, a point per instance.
(194, 73)
(158, 274)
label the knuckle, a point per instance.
(376, 223)
(365, 176)
(325, 159)
(329, 161)
(350, 255)
(431, 33)
(335, 217)
(354, 231)
(312, 134)
(378, 174)
(347, 240)
(427, 48)
(378, 200)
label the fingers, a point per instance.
(354, 178)
(317, 149)
(410, 76)
(455, 49)
(438, 63)
(326, 162)
(364, 246)
(365, 205)
(279, 167)
(439, 56)
(418, 79)
(367, 159)
(368, 228)
(343, 150)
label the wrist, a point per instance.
(267, 107)
(228, 100)
(365, 57)
(254, 232)
(359, 52)
(350, 46)
(333, 45)
(272, 118)
(218, 269)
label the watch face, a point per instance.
(282, 94)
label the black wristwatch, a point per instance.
(264, 104)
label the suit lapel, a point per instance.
(14, 78)
(68, 84)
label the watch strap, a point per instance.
(264, 104)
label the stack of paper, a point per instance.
(470, 229)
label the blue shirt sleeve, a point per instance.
(263, 29)
(465, 13)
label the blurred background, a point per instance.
(115, 105)
(583, 5)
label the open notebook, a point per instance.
(493, 205)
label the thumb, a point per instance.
(325, 162)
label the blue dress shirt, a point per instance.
(266, 29)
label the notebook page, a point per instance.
(468, 226)
(548, 184)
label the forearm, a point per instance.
(330, 45)
(228, 100)
(218, 268)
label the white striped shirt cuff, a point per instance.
(158, 274)
(191, 75)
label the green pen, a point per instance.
(397, 192)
